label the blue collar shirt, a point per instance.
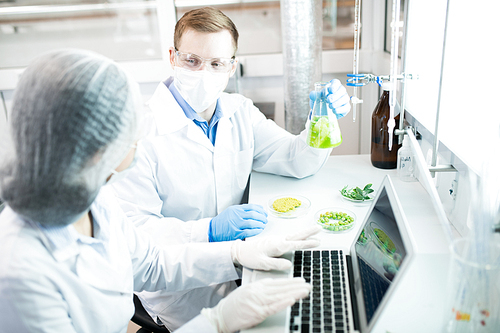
(62, 237)
(210, 130)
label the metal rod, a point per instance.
(355, 64)
(403, 82)
(442, 168)
(4, 105)
(52, 9)
(436, 141)
(396, 15)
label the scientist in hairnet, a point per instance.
(192, 170)
(69, 259)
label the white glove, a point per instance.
(250, 304)
(261, 254)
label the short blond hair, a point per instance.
(206, 19)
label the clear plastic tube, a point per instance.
(357, 25)
(396, 8)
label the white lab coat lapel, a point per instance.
(223, 157)
(225, 142)
(170, 117)
(195, 134)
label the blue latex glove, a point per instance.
(337, 98)
(237, 222)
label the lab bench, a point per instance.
(418, 302)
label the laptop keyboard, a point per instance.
(374, 288)
(325, 309)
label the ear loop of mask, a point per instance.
(117, 175)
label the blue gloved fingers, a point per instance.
(250, 224)
(334, 86)
(313, 95)
(254, 215)
(335, 91)
(341, 107)
(254, 207)
(338, 99)
(230, 222)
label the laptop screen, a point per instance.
(379, 252)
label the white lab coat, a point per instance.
(181, 180)
(86, 285)
(180, 174)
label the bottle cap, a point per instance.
(386, 85)
(406, 141)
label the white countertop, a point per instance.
(417, 304)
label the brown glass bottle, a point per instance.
(381, 156)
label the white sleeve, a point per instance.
(138, 197)
(280, 152)
(175, 268)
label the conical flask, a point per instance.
(324, 130)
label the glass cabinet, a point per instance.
(259, 23)
(132, 30)
(122, 30)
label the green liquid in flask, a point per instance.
(323, 134)
(324, 130)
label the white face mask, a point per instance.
(200, 89)
(118, 175)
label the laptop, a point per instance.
(351, 287)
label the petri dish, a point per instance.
(360, 202)
(363, 237)
(334, 224)
(382, 240)
(303, 209)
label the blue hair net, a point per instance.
(73, 119)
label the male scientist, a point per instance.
(193, 167)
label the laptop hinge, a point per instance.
(354, 299)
